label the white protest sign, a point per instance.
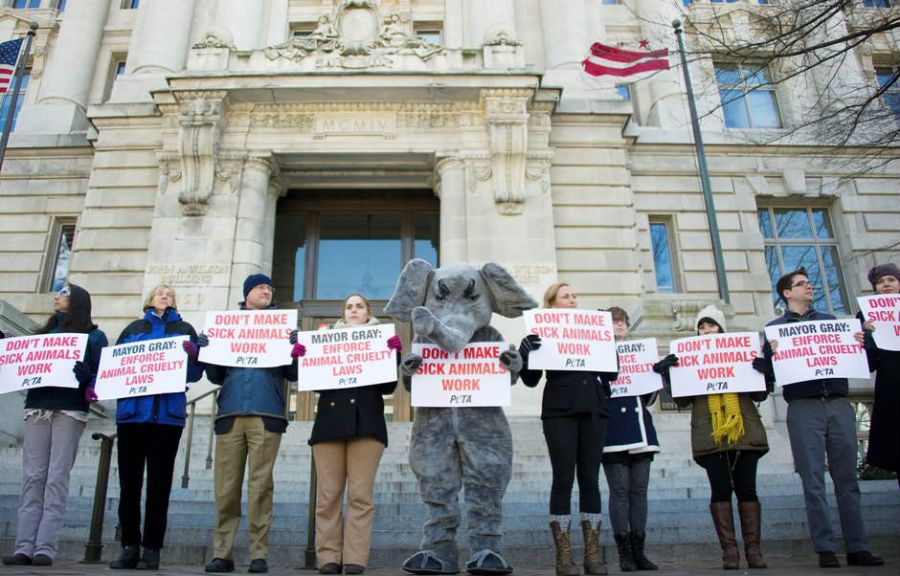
(468, 378)
(716, 364)
(817, 349)
(572, 339)
(249, 338)
(39, 361)
(142, 369)
(883, 310)
(347, 358)
(636, 375)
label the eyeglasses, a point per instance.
(803, 284)
(625, 322)
(64, 292)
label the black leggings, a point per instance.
(731, 471)
(575, 443)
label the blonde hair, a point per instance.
(550, 293)
(155, 291)
(361, 297)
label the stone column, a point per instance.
(667, 100)
(66, 85)
(452, 192)
(255, 224)
(243, 19)
(482, 16)
(565, 35)
(159, 47)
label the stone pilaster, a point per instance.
(243, 19)
(451, 190)
(666, 97)
(563, 24)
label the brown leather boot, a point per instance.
(751, 532)
(563, 542)
(593, 564)
(723, 520)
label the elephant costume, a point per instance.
(453, 448)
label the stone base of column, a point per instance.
(137, 88)
(51, 119)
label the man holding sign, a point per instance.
(821, 421)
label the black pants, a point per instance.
(155, 445)
(731, 471)
(575, 444)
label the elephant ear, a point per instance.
(412, 287)
(508, 298)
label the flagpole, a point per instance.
(704, 173)
(20, 72)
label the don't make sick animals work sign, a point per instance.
(249, 338)
(347, 358)
(817, 349)
(38, 361)
(716, 364)
(142, 369)
(469, 378)
(883, 311)
(572, 339)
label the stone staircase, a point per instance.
(679, 527)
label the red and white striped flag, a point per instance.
(9, 55)
(612, 61)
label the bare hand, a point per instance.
(773, 344)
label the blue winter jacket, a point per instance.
(168, 409)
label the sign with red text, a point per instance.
(817, 349)
(38, 361)
(142, 369)
(883, 311)
(572, 339)
(636, 375)
(249, 338)
(347, 358)
(469, 378)
(716, 364)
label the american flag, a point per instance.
(9, 54)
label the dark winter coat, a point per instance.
(631, 425)
(884, 431)
(567, 392)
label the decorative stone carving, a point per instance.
(200, 125)
(407, 116)
(537, 169)
(506, 115)
(684, 314)
(217, 37)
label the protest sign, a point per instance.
(636, 375)
(883, 310)
(347, 357)
(142, 369)
(468, 378)
(249, 338)
(817, 349)
(572, 339)
(716, 364)
(39, 361)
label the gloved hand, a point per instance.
(869, 340)
(298, 351)
(293, 337)
(511, 359)
(191, 350)
(82, 373)
(90, 396)
(202, 340)
(762, 366)
(394, 343)
(529, 343)
(663, 366)
(410, 364)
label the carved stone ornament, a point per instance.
(506, 116)
(199, 127)
(216, 38)
(684, 314)
(357, 37)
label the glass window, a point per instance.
(804, 237)
(26, 4)
(611, 2)
(877, 3)
(624, 91)
(662, 257)
(4, 108)
(886, 76)
(427, 239)
(289, 262)
(130, 4)
(62, 257)
(748, 96)
(432, 35)
(61, 5)
(120, 68)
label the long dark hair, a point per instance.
(78, 318)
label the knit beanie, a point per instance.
(255, 280)
(711, 313)
(877, 272)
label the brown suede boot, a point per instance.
(593, 563)
(561, 539)
(751, 532)
(723, 520)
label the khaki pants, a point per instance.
(247, 438)
(353, 462)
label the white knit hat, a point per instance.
(711, 313)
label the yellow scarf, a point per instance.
(725, 410)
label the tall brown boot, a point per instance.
(564, 564)
(723, 520)
(751, 532)
(593, 564)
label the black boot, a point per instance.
(128, 559)
(149, 561)
(623, 545)
(637, 551)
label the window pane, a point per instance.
(884, 76)
(427, 238)
(63, 256)
(61, 5)
(805, 256)
(833, 277)
(792, 224)
(765, 223)
(756, 75)
(764, 109)
(821, 223)
(892, 101)
(774, 270)
(18, 4)
(4, 108)
(358, 253)
(624, 91)
(662, 257)
(34, 3)
(734, 109)
(289, 266)
(727, 74)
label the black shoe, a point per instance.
(149, 560)
(354, 569)
(258, 566)
(128, 559)
(864, 558)
(828, 560)
(220, 565)
(17, 560)
(330, 568)
(41, 560)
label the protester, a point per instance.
(348, 438)
(630, 444)
(821, 421)
(727, 439)
(250, 420)
(149, 431)
(55, 417)
(574, 413)
(884, 430)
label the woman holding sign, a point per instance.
(55, 417)
(149, 430)
(573, 413)
(727, 439)
(348, 439)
